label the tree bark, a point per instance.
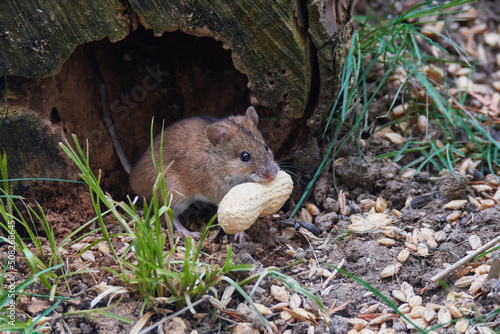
(286, 57)
(290, 51)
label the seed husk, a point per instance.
(415, 301)
(403, 255)
(387, 241)
(455, 313)
(455, 204)
(313, 209)
(404, 308)
(444, 317)
(465, 281)
(399, 295)
(391, 270)
(475, 242)
(429, 314)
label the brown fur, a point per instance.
(205, 159)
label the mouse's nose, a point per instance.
(270, 172)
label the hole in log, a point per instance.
(168, 78)
(54, 116)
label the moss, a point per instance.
(32, 149)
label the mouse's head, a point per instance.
(246, 156)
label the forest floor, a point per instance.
(367, 226)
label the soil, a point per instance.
(367, 222)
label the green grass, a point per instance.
(154, 268)
(8, 299)
(155, 273)
(159, 277)
(49, 268)
(4, 108)
(11, 214)
(393, 46)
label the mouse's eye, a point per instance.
(244, 156)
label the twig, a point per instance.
(326, 290)
(150, 328)
(466, 259)
(108, 121)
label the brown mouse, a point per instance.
(208, 157)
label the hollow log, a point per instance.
(284, 56)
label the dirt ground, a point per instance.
(367, 226)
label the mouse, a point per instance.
(206, 157)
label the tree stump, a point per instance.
(167, 59)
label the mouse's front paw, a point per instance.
(185, 232)
(241, 237)
(194, 235)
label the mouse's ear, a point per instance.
(251, 114)
(215, 132)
